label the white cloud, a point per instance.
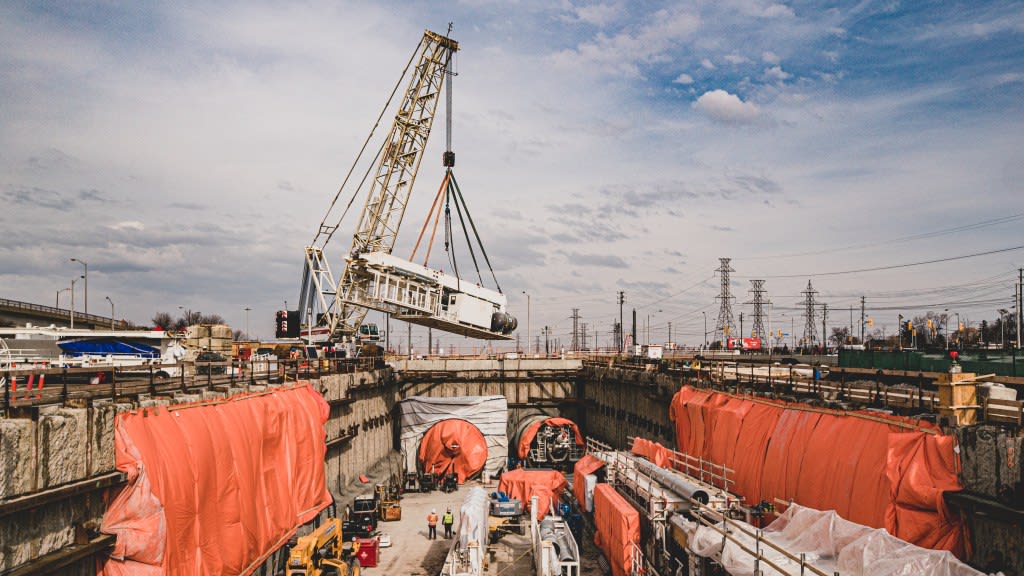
(770, 57)
(624, 53)
(776, 73)
(128, 225)
(736, 59)
(1009, 78)
(683, 78)
(778, 11)
(598, 14)
(722, 106)
(707, 64)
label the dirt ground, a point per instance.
(412, 554)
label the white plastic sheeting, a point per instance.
(589, 481)
(473, 528)
(827, 541)
(488, 413)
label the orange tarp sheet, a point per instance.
(215, 488)
(616, 528)
(586, 465)
(524, 484)
(531, 432)
(868, 469)
(453, 445)
(653, 451)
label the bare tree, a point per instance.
(163, 320)
(840, 335)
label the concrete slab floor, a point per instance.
(412, 554)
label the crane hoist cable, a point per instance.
(452, 193)
(328, 231)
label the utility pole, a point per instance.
(862, 320)
(824, 334)
(547, 342)
(622, 300)
(575, 329)
(742, 334)
(669, 333)
(850, 337)
(634, 326)
(1020, 301)
(899, 331)
(584, 344)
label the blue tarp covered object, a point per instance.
(104, 347)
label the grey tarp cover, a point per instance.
(488, 413)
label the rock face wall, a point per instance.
(50, 448)
(992, 460)
(359, 432)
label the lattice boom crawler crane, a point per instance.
(375, 279)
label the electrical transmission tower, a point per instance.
(726, 326)
(757, 288)
(810, 330)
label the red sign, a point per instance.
(743, 343)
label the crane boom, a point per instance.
(391, 185)
(374, 279)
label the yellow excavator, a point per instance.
(322, 552)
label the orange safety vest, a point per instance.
(432, 519)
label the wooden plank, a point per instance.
(34, 500)
(55, 561)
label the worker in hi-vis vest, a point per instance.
(447, 520)
(432, 525)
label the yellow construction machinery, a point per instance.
(323, 553)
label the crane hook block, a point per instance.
(449, 159)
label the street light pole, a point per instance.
(247, 322)
(705, 328)
(945, 321)
(111, 312)
(527, 321)
(959, 335)
(86, 276)
(57, 305)
(73, 280)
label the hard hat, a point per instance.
(449, 508)
(433, 511)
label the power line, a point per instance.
(921, 236)
(895, 266)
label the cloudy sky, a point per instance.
(187, 152)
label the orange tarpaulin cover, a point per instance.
(586, 465)
(453, 446)
(868, 469)
(653, 451)
(531, 432)
(215, 488)
(524, 484)
(616, 528)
